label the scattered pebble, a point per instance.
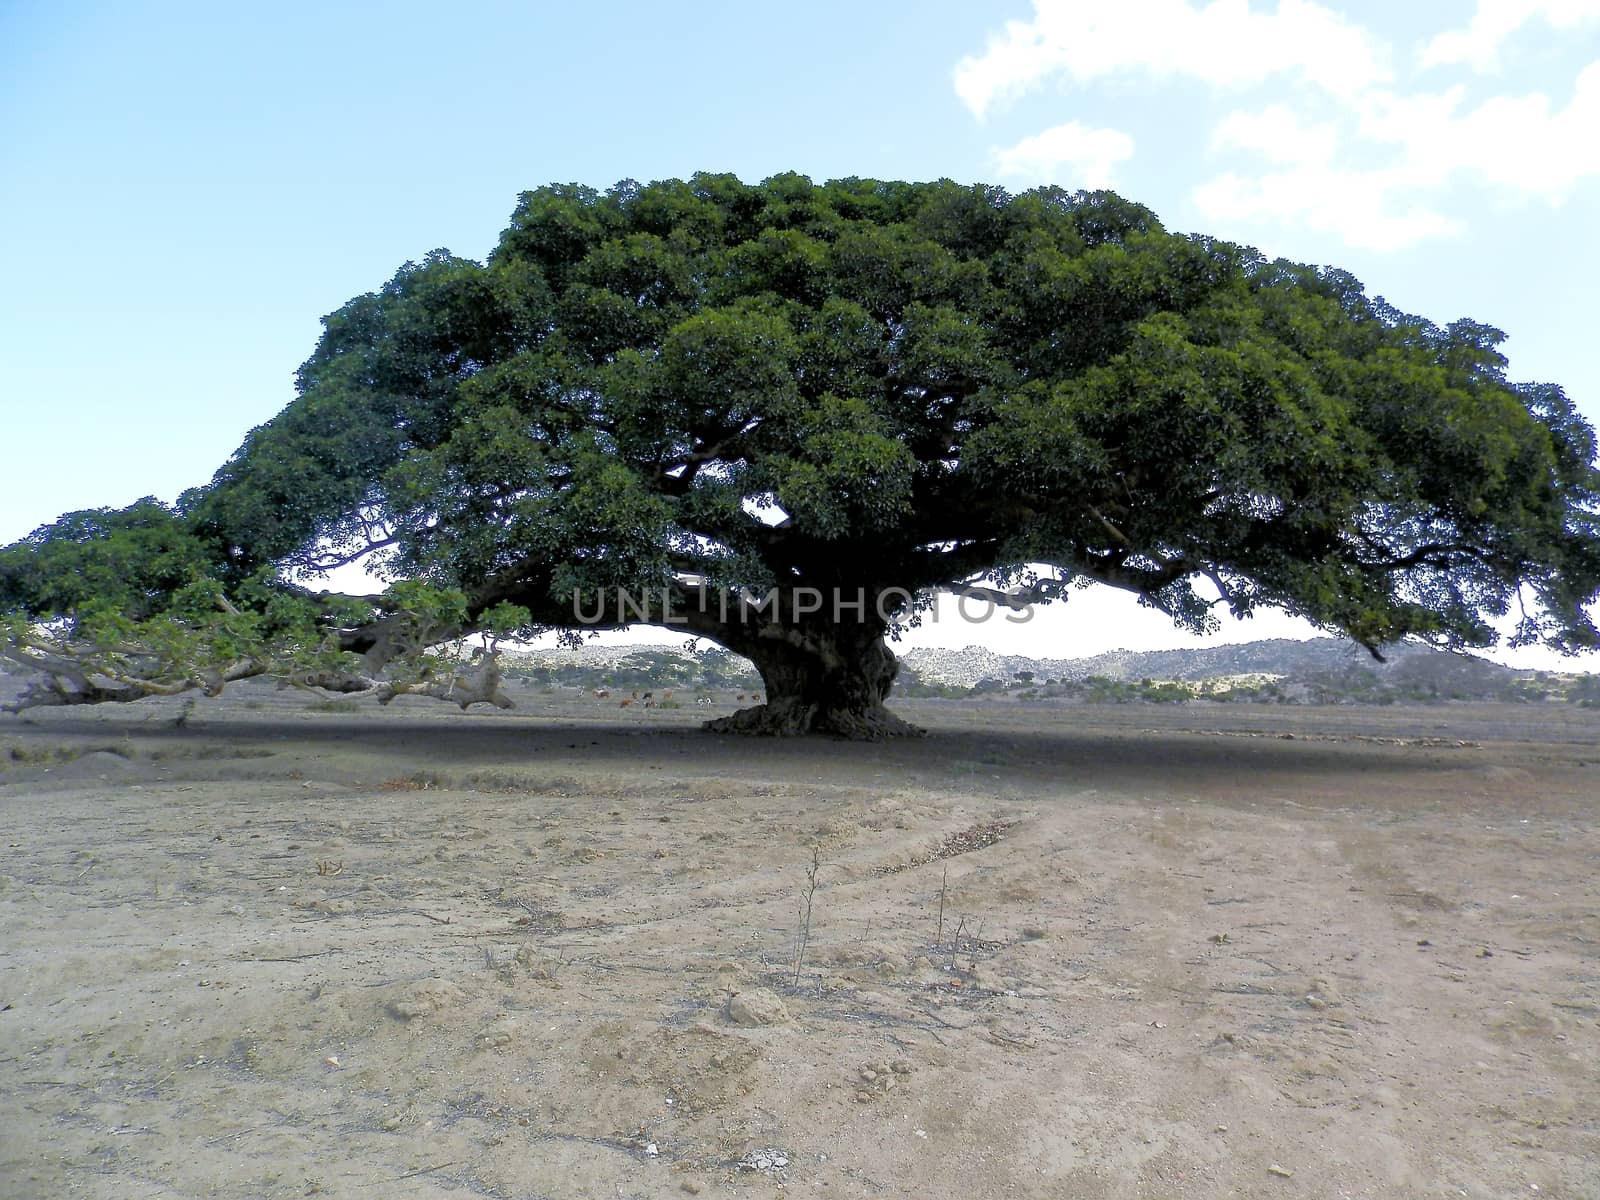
(874, 1079)
(769, 1159)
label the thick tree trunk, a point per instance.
(830, 681)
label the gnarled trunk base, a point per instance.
(821, 684)
(791, 717)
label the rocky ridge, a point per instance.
(1278, 658)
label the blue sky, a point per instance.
(185, 189)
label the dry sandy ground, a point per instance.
(1082, 952)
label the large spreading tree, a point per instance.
(781, 417)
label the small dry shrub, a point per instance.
(511, 782)
(333, 706)
(417, 781)
(53, 755)
(209, 751)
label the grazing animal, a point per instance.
(625, 704)
(602, 694)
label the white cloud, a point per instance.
(1225, 44)
(1523, 145)
(1070, 155)
(1305, 189)
(1353, 154)
(1357, 206)
(1277, 134)
(1478, 45)
(1412, 150)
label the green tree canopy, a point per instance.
(787, 413)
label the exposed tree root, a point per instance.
(476, 683)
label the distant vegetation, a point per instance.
(714, 670)
(1093, 689)
(1585, 691)
(1355, 685)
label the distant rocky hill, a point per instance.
(1280, 658)
(1311, 669)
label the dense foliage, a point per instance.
(860, 392)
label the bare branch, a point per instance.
(1117, 535)
(1016, 599)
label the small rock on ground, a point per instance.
(759, 1007)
